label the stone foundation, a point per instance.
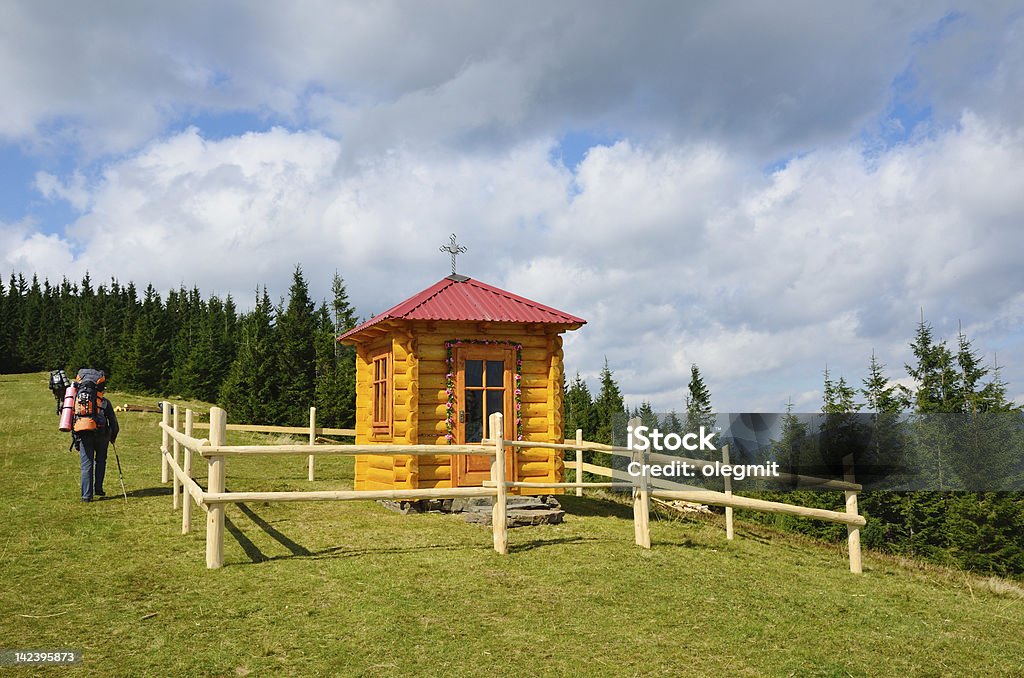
(522, 511)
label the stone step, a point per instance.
(522, 511)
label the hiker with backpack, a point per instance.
(93, 428)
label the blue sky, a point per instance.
(19, 197)
(758, 192)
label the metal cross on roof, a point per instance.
(453, 248)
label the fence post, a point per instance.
(499, 513)
(852, 531)
(641, 498)
(579, 461)
(312, 441)
(186, 506)
(175, 484)
(165, 408)
(728, 493)
(215, 482)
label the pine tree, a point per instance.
(68, 321)
(30, 328)
(209, 356)
(85, 351)
(250, 391)
(967, 396)
(698, 403)
(790, 447)
(938, 391)
(992, 396)
(13, 311)
(5, 326)
(839, 397)
(795, 450)
(673, 423)
(48, 338)
(579, 410)
(879, 395)
(887, 510)
(842, 431)
(885, 403)
(126, 362)
(149, 354)
(328, 385)
(188, 316)
(296, 329)
(343, 311)
(934, 373)
(101, 313)
(180, 339)
(609, 408)
(647, 415)
(229, 333)
(344, 316)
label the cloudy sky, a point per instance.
(763, 189)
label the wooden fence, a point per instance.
(312, 430)
(179, 445)
(664, 489)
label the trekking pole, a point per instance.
(120, 475)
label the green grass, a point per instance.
(349, 588)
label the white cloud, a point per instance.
(74, 191)
(22, 250)
(771, 80)
(675, 253)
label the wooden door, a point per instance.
(483, 385)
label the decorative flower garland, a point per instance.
(449, 382)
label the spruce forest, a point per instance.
(265, 366)
(979, 531)
(270, 364)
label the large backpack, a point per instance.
(89, 400)
(59, 383)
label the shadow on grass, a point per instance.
(251, 550)
(754, 537)
(577, 506)
(541, 543)
(257, 556)
(680, 543)
(295, 548)
(151, 492)
(345, 552)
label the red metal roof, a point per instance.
(460, 298)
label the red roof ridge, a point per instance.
(477, 305)
(422, 298)
(515, 297)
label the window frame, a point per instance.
(485, 352)
(382, 401)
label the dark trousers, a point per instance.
(92, 452)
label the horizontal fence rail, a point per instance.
(300, 430)
(721, 499)
(348, 495)
(385, 450)
(215, 451)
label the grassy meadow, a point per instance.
(351, 589)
